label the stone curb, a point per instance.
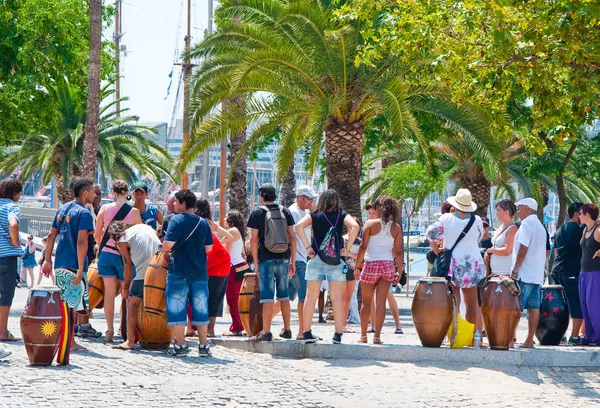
(541, 357)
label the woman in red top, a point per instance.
(218, 264)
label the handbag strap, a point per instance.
(188, 237)
(119, 216)
(464, 232)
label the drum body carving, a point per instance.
(155, 284)
(501, 314)
(249, 304)
(554, 316)
(41, 324)
(432, 310)
(153, 330)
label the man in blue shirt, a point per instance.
(10, 250)
(187, 241)
(151, 215)
(71, 226)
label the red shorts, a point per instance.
(375, 270)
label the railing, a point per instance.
(35, 226)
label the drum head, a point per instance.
(47, 288)
(433, 279)
(552, 287)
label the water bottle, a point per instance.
(477, 340)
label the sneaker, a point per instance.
(574, 341)
(86, 330)
(204, 350)
(309, 338)
(262, 336)
(337, 338)
(178, 350)
(285, 334)
(4, 353)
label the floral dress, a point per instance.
(467, 267)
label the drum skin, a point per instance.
(155, 285)
(154, 334)
(41, 324)
(249, 304)
(554, 316)
(432, 311)
(501, 314)
(95, 287)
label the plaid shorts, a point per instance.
(375, 270)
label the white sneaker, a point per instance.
(4, 353)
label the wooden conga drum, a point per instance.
(501, 314)
(95, 287)
(155, 285)
(249, 304)
(554, 316)
(432, 310)
(41, 324)
(154, 334)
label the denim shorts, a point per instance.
(137, 289)
(110, 265)
(297, 286)
(179, 293)
(317, 270)
(531, 295)
(274, 277)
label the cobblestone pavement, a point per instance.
(232, 378)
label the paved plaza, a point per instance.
(234, 378)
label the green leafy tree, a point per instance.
(295, 64)
(124, 149)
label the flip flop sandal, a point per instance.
(377, 340)
(233, 334)
(398, 331)
(363, 340)
(348, 330)
(80, 349)
(192, 334)
(523, 346)
(123, 347)
(211, 336)
(10, 338)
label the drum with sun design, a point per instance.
(41, 324)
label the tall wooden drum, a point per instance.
(154, 334)
(41, 324)
(249, 304)
(554, 316)
(432, 310)
(95, 287)
(155, 285)
(501, 314)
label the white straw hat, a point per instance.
(463, 201)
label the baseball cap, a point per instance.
(486, 221)
(528, 202)
(306, 191)
(267, 188)
(140, 186)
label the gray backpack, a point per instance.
(277, 238)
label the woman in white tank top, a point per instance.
(499, 256)
(381, 244)
(237, 227)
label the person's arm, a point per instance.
(208, 240)
(47, 265)
(293, 244)
(254, 247)
(82, 247)
(597, 238)
(137, 217)
(399, 249)
(305, 222)
(13, 231)
(99, 226)
(217, 229)
(507, 249)
(353, 228)
(167, 246)
(127, 268)
(362, 249)
(435, 233)
(159, 219)
(235, 234)
(520, 258)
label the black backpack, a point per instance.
(329, 250)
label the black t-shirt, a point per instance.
(486, 243)
(257, 222)
(321, 226)
(568, 250)
(165, 224)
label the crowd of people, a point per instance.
(293, 251)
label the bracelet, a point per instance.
(310, 246)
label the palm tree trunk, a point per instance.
(544, 194)
(344, 150)
(480, 187)
(64, 195)
(90, 143)
(238, 198)
(287, 194)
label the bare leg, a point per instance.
(394, 309)
(301, 319)
(577, 324)
(383, 287)
(133, 304)
(210, 330)
(473, 309)
(202, 334)
(348, 292)
(276, 308)
(286, 313)
(110, 292)
(267, 317)
(321, 304)
(372, 315)
(313, 293)
(368, 290)
(31, 277)
(336, 293)
(40, 276)
(179, 335)
(534, 318)
(4, 312)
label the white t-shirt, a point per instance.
(143, 244)
(298, 214)
(532, 234)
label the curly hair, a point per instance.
(388, 208)
(235, 219)
(117, 229)
(10, 187)
(329, 201)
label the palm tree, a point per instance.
(294, 63)
(124, 151)
(90, 149)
